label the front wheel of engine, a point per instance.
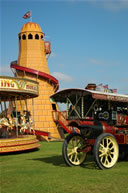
(72, 150)
(106, 151)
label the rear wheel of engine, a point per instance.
(72, 150)
(106, 151)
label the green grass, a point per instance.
(44, 171)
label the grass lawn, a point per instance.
(44, 171)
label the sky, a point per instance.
(89, 39)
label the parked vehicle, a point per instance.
(100, 118)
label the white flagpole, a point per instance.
(31, 16)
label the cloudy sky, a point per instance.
(89, 39)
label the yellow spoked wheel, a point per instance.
(106, 151)
(72, 150)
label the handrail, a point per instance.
(61, 119)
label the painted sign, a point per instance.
(122, 119)
(110, 97)
(18, 84)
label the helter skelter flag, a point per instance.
(27, 15)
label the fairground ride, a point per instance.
(17, 131)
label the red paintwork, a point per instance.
(86, 122)
(118, 132)
(107, 128)
(46, 76)
(66, 128)
(38, 132)
(120, 138)
(91, 141)
(44, 133)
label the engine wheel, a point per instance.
(106, 151)
(71, 150)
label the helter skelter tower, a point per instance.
(32, 64)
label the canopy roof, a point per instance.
(12, 88)
(61, 95)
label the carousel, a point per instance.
(17, 132)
